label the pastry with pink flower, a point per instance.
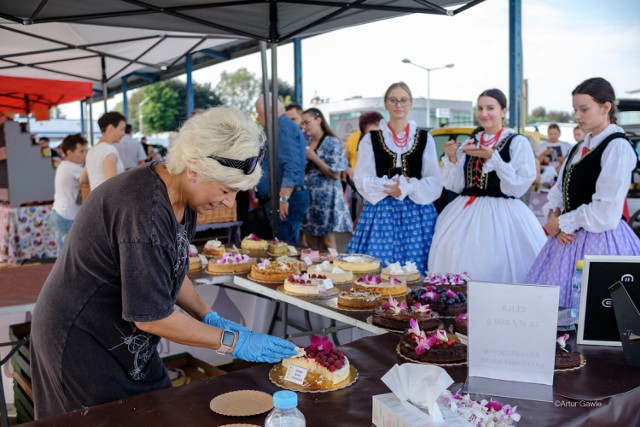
(254, 243)
(565, 357)
(321, 358)
(393, 286)
(441, 299)
(431, 346)
(395, 314)
(231, 263)
(455, 282)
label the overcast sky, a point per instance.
(564, 42)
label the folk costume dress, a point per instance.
(488, 231)
(590, 193)
(397, 229)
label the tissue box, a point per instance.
(389, 412)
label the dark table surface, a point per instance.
(603, 392)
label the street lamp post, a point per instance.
(140, 115)
(408, 61)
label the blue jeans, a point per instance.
(289, 229)
(62, 226)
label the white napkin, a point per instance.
(418, 385)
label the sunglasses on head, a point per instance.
(247, 166)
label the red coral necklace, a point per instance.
(491, 142)
(400, 142)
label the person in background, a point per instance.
(130, 151)
(487, 230)
(397, 173)
(70, 175)
(366, 123)
(328, 212)
(584, 209)
(578, 134)
(111, 295)
(103, 161)
(294, 112)
(551, 155)
(293, 197)
(152, 154)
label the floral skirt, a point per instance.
(556, 262)
(395, 231)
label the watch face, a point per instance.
(227, 338)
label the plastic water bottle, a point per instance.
(576, 287)
(285, 412)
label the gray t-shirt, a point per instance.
(124, 261)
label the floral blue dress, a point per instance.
(328, 210)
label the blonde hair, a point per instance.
(223, 132)
(398, 85)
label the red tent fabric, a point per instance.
(37, 96)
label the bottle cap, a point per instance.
(579, 264)
(285, 399)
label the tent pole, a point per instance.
(515, 65)
(83, 126)
(91, 121)
(125, 99)
(189, 66)
(272, 154)
(104, 82)
(275, 166)
(297, 71)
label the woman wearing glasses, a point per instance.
(488, 231)
(111, 294)
(328, 211)
(397, 174)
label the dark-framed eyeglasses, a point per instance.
(247, 166)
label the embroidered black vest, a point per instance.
(411, 160)
(579, 179)
(480, 184)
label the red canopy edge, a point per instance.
(41, 94)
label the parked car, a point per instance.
(442, 135)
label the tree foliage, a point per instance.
(242, 88)
(540, 114)
(166, 108)
(239, 89)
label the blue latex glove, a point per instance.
(213, 319)
(262, 348)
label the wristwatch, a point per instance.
(284, 199)
(226, 341)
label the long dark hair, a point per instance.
(601, 91)
(317, 114)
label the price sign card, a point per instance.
(295, 374)
(512, 331)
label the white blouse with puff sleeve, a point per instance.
(421, 191)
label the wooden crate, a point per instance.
(221, 214)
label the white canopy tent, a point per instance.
(269, 21)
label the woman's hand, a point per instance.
(254, 347)
(552, 226)
(565, 238)
(312, 156)
(450, 149)
(482, 152)
(393, 189)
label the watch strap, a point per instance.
(224, 338)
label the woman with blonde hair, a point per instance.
(397, 173)
(111, 294)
